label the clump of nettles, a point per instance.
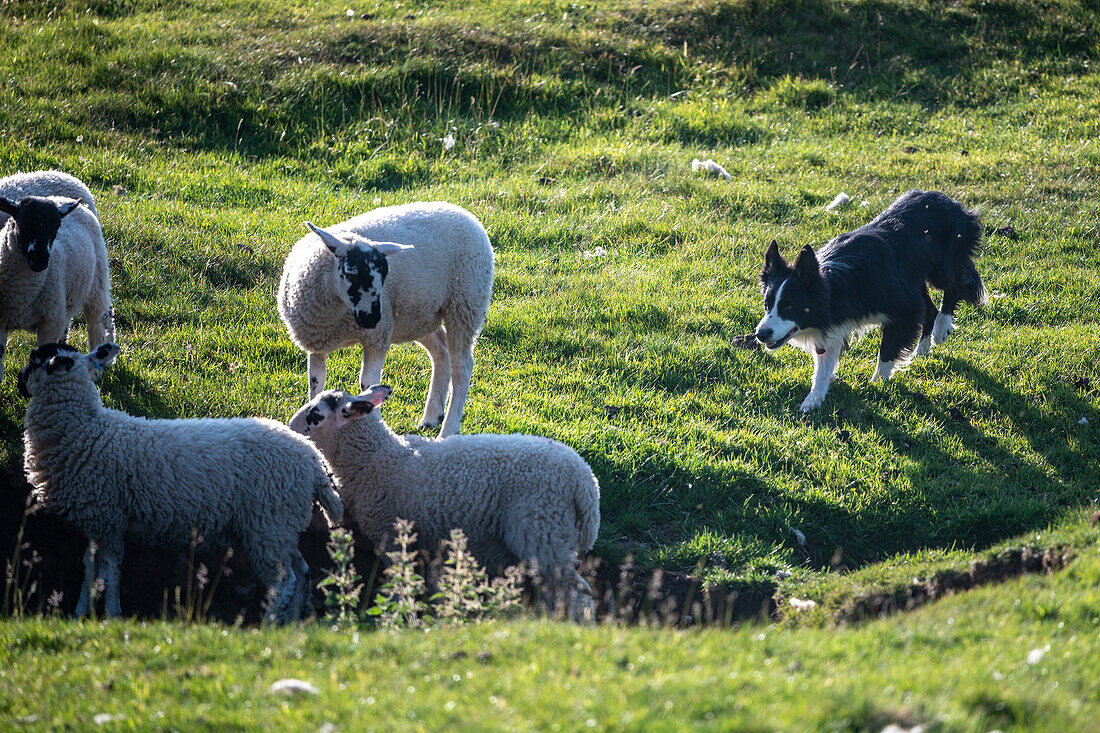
(399, 601)
(343, 585)
(464, 592)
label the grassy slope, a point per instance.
(1018, 656)
(227, 124)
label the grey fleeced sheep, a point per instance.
(354, 284)
(53, 260)
(242, 482)
(516, 497)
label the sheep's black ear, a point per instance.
(103, 355)
(8, 207)
(58, 363)
(355, 408)
(23, 384)
(363, 404)
(68, 206)
(806, 267)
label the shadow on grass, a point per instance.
(927, 495)
(505, 70)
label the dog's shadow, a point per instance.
(968, 486)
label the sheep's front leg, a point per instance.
(53, 330)
(318, 372)
(84, 601)
(282, 596)
(582, 607)
(371, 371)
(825, 363)
(110, 561)
(436, 346)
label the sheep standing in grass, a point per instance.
(53, 260)
(354, 284)
(242, 482)
(516, 497)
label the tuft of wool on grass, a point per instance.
(842, 199)
(710, 168)
(293, 687)
(800, 604)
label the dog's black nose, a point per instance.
(763, 334)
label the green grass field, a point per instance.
(210, 131)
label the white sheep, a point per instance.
(516, 497)
(53, 260)
(248, 483)
(353, 284)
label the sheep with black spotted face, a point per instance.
(516, 497)
(417, 272)
(249, 483)
(53, 259)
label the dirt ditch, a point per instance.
(998, 569)
(155, 583)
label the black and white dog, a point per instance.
(877, 275)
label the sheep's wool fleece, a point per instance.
(536, 497)
(47, 183)
(247, 479)
(450, 265)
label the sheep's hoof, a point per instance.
(428, 424)
(812, 402)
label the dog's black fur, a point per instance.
(876, 275)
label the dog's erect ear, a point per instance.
(805, 266)
(773, 262)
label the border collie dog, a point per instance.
(877, 275)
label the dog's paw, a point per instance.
(812, 402)
(941, 329)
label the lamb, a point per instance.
(516, 497)
(353, 284)
(53, 259)
(248, 483)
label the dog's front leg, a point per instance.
(825, 363)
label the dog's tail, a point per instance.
(957, 274)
